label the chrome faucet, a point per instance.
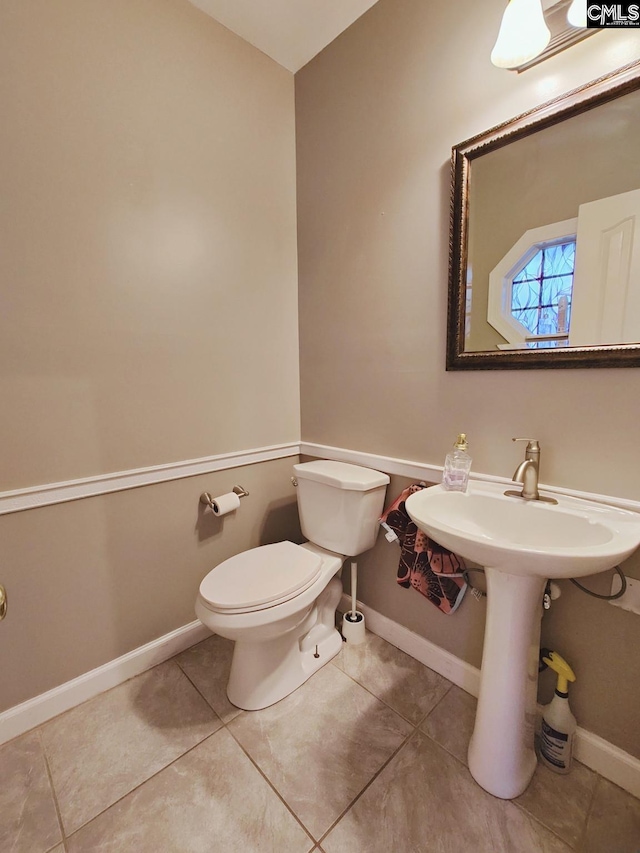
(527, 473)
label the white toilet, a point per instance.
(278, 602)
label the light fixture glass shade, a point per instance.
(523, 34)
(577, 14)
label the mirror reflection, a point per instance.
(548, 237)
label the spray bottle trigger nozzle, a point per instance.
(559, 665)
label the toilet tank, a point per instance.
(340, 505)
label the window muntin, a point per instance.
(541, 293)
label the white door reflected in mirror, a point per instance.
(606, 304)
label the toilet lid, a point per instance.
(261, 576)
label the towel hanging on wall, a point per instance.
(429, 568)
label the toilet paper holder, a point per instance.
(206, 498)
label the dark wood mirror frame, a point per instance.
(600, 91)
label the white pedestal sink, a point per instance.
(521, 544)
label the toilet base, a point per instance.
(264, 672)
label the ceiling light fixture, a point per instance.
(577, 14)
(523, 34)
(531, 31)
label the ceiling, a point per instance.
(290, 31)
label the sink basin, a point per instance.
(520, 544)
(569, 539)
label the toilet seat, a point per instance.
(259, 578)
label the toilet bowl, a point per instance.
(278, 602)
(279, 642)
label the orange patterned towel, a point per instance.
(424, 565)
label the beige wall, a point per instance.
(148, 315)
(377, 114)
(90, 580)
(149, 312)
(147, 214)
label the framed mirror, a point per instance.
(544, 261)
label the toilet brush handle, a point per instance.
(354, 588)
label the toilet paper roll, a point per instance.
(224, 504)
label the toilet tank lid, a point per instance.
(341, 475)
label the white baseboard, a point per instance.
(15, 721)
(608, 760)
(452, 668)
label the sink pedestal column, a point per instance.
(502, 758)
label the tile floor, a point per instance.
(367, 757)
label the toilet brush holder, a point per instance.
(353, 627)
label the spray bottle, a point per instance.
(558, 723)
